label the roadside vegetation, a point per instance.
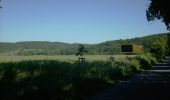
(56, 80)
(63, 77)
(62, 58)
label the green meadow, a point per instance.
(64, 58)
(61, 77)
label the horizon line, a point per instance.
(79, 42)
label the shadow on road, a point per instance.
(152, 84)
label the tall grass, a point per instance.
(146, 61)
(55, 80)
(62, 58)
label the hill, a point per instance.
(61, 48)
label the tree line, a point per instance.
(150, 43)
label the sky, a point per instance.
(75, 21)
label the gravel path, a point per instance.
(152, 84)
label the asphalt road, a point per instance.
(152, 84)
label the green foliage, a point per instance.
(146, 61)
(34, 80)
(59, 48)
(53, 80)
(81, 50)
(127, 67)
(159, 9)
(62, 58)
(159, 47)
(151, 58)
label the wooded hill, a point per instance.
(61, 48)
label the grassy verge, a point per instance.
(54, 80)
(62, 58)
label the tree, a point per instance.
(159, 48)
(81, 50)
(159, 9)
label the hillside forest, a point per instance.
(156, 43)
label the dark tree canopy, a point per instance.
(159, 9)
(81, 50)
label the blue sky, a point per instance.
(75, 21)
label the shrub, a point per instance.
(34, 80)
(151, 58)
(135, 65)
(127, 67)
(144, 61)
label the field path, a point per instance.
(152, 84)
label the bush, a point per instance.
(34, 80)
(151, 58)
(127, 67)
(146, 61)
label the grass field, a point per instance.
(60, 77)
(65, 58)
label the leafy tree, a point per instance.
(159, 9)
(81, 50)
(159, 47)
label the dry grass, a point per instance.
(65, 58)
